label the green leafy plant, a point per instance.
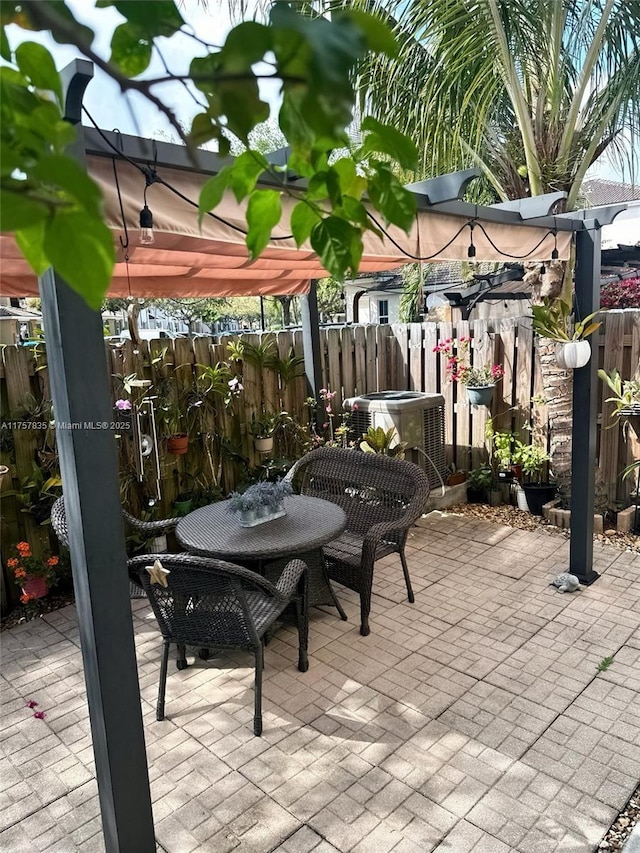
(626, 395)
(503, 446)
(265, 424)
(552, 320)
(480, 479)
(379, 440)
(25, 566)
(533, 459)
(55, 209)
(604, 664)
(38, 492)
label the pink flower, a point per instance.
(39, 715)
(32, 704)
(328, 410)
(325, 426)
(123, 405)
(355, 406)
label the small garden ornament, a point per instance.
(566, 582)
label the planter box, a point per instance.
(562, 517)
(625, 519)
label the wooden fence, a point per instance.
(355, 360)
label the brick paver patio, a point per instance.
(475, 721)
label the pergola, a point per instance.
(186, 263)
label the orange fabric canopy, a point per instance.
(212, 261)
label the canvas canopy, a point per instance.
(213, 261)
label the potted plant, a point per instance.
(480, 381)
(551, 320)
(262, 429)
(34, 575)
(171, 417)
(386, 442)
(626, 399)
(479, 484)
(538, 491)
(456, 476)
(505, 455)
(264, 501)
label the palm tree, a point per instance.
(533, 92)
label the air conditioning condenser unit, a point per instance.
(418, 419)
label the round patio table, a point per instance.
(309, 523)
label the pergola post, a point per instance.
(88, 462)
(311, 342)
(585, 405)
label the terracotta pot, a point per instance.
(456, 479)
(178, 444)
(264, 445)
(35, 587)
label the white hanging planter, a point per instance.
(573, 354)
(264, 445)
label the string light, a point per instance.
(146, 216)
(471, 251)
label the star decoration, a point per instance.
(158, 574)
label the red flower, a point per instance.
(53, 561)
(39, 715)
(12, 563)
(25, 598)
(32, 703)
(24, 549)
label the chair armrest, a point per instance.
(288, 580)
(161, 526)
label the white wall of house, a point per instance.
(624, 229)
(371, 304)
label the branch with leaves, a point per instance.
(55, 209)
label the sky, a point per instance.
(133, 113)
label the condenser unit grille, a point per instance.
(359, 423)
(433, 425)
(418, 419)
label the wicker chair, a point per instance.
(144, 528)
(209, 604)
(382, 498)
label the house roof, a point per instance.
(9, 312)
(598, 191)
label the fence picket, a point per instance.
(355, 360)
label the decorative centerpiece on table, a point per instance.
(261, 502)
(34, 575)
(480, 381)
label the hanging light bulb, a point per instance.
(543, 269)
(471, 251)
(146, 226)
(146, 217)
(554, 251)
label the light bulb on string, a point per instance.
(146, 216)
(471, 251)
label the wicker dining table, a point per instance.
(309, 523)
